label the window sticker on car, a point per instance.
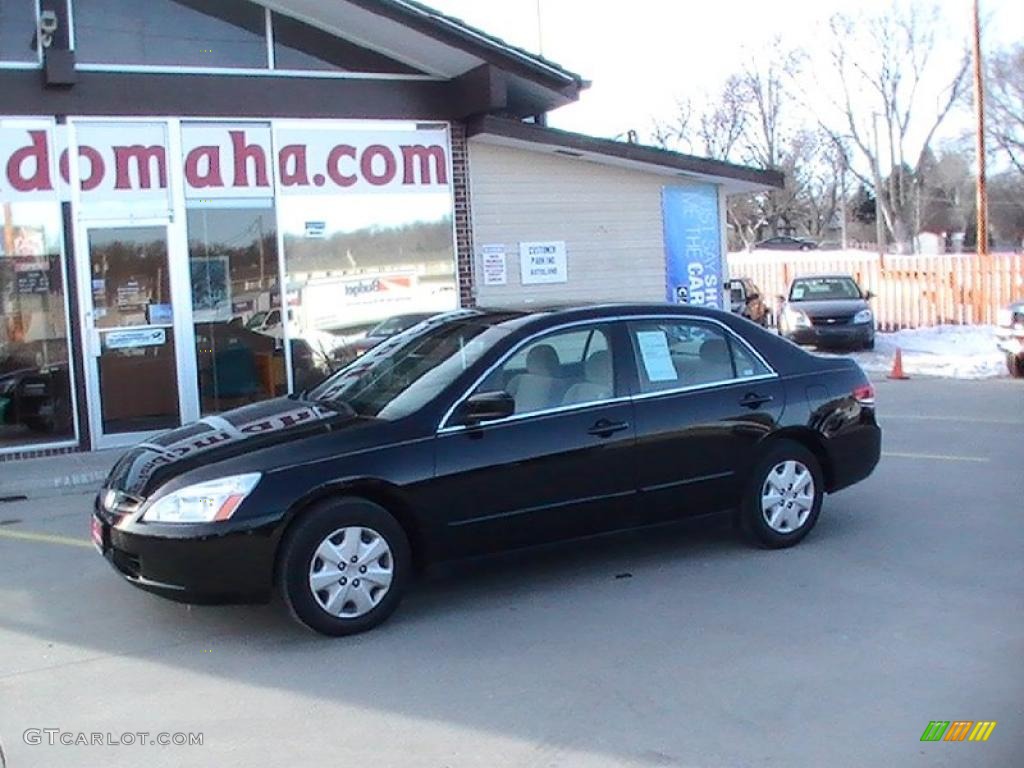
(656, 356)
(798, 292)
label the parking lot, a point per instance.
(677, 646)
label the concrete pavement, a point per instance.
(903, 606)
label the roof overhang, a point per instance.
(439, 46)
(537, 138)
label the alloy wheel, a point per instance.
(351, 571)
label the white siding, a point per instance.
(609, 218)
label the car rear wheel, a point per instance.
(1015, 365)
(783, 496)
(344, 566)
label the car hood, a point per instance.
(831, 308)
(216, 438)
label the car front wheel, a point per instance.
(783, 496)
(344, 566)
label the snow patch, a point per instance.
(949, 351)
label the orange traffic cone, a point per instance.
(897, 366)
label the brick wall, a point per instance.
(463, 217)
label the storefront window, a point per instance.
(17, 26)
(357, 261)
(236, 303)
(35, 385)
(366, 214)
(185, 33)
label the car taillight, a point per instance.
(865, 395)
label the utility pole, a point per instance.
(540, 32)
(979, 109)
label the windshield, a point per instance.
(256, 320)
(400, 375)
(824, 289)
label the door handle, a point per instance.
(755, 400)
(606, 428)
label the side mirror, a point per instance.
(868, 295)
(488, 406)
(753, 297)
(780, 298)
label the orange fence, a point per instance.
(910, 291)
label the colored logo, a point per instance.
(958, 730)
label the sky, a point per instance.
(644, 55)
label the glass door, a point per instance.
(129, 315)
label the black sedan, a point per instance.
(828, 311)
(484, 431)
(786, 243)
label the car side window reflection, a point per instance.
(671, 354)
(572, 367)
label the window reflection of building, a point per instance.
(35, 387)
(233, 266)
(353, 263)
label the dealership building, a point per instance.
(205, 203)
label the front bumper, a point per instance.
(189, 563)
(832, 335)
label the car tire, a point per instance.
(767, 524)
(322, 544)
(869, 344)
(1015, 365)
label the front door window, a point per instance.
(132, 312)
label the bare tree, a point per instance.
(1005, 102)
(883, 66)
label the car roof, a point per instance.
(833, 276)
(559, 313)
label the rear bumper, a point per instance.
(192, 566)
(836, 336)
(854, 454)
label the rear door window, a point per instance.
(675, 354)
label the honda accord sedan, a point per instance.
(483, 431)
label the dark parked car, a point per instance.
(486, 431)
(37, 398)
(1011, 338)
(828, 311)
(746, 300)
(383, 331)
(786, 243)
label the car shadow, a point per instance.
(503, 645)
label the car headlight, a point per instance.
(795, 318)
(214, 500)
(864, 316)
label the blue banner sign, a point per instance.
(693, 245)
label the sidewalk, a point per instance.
(56, 475)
